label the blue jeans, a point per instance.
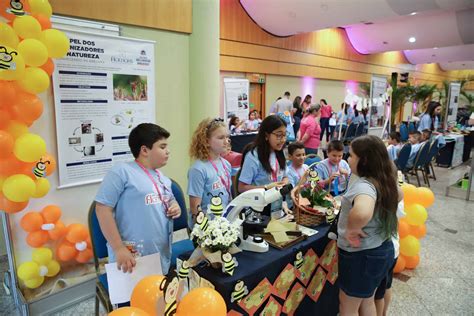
(324, 121)
(311, 151)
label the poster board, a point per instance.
(236, 98)
(101, 91)
(379, 106)
(453, 102)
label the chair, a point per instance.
(311, 159)
(434, 149)
(350, 133)
(403, 132)
(402, 160)
(185, 245)
(359, 130)
(420, 162)
(99, 248)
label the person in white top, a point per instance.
(284, 104)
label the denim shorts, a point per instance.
(385, 284)
(361, 272)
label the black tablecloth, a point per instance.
(239, 141)
(255, 267)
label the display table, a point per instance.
(239, 141)
(273, 282)
(451, 155)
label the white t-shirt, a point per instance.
(283, 105)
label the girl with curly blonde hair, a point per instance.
(209, 179)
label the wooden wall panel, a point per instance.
(326, 54)
(172, 15)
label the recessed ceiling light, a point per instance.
(412, 39)
(433, 55)
(385, 43)
(413, 13)
(435, 47)
(464, 64)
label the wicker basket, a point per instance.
(307, 216)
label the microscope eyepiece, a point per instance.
(286, 189)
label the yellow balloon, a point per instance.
(42, 256)
(53, 268)
(41, 7)
(12, 63)
(28, 270)
(29, 148)
(42, 188)
(35, 80)
(27, 27)
(409, 246)
(56, 42)
(18, 188)
(416, 214)
(34, 283)
(33, 52)
(8, 36)
(16, 129)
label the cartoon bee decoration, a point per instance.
(202, 221)
(172, 289)
(313, 177)
(183, 272)
(240, 291)
(16, 8)
(229, 263)
(299, 260)
(400, 178)
(40, 168)
(216, 206)
(6, 59)
(330, 215)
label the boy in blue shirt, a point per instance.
(414, 139)
(334, 172)
(297, 168)
(135, 204)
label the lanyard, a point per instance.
(275, 171)
(225, 181)
(158, 191)
(296, 171)
(336, 180)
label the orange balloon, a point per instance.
(66, 251)
(6, 145)
(9, 12)
(425, 197)
(202, 301)
(410, 194)
(6, 117)
(418, 231)
(37, 239)
(51, 167)
(146, 293)
(31, 221)
(11, 207)
(28, 107)
(400, 265)
(43, 20)
(58, 231)
(51, 213)
(77, 233)
(84, 256)
(403, 228)
(10, 166)
(129, 311)
(412, 262)
(9, 90)
(48, 66)
(27, 170)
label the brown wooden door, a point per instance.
(257, 96)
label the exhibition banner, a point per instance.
(103, 88)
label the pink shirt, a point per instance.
(326, 111)
(310, 127)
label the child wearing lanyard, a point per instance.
(263, 164)
(334, 170)
(135, 205)
(209, 180)
(297, 168)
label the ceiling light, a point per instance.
(413, 13)
(435, 47)
(412, 39)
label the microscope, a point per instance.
(248, 209)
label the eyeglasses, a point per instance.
(280, 136)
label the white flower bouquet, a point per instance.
(218, 235)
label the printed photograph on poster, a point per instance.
(130, 87)
(236, 98)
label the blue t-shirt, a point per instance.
(325, 169)
(252, 172)
(139, 213)
(204, 182)
(425, 122)
(393, 151)
(414, 151)
(295, 175)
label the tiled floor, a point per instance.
(443, 283)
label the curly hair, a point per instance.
(199, 148)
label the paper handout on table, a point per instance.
(278, 230)
(122, 284)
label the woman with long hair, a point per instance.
(297, 114)
(430, 119)
(366, 225)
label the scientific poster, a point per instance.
(103, 88)
(236, 98)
